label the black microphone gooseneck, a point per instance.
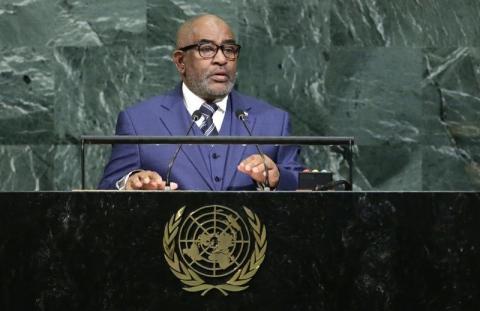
(195, 117)
(242, 116)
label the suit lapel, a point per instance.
(236, 153)
(175, 118)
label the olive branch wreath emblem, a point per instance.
(194, 283)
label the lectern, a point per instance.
(311, 250)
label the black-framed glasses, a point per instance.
(207, 49)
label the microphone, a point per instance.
(242, 116)
(195, 117)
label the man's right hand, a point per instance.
(147, 180)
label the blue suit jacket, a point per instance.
(200, 167)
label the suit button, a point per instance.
(215, 156)
(217, 179)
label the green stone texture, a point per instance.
(402, 77)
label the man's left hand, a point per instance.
(254, 167)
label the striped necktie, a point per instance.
(207, 127)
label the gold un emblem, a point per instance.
(214, 248)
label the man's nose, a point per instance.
(220, 58)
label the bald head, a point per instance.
(193, 27)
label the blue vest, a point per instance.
(215, 156)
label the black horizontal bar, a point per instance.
(234, 140)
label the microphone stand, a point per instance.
(242, 116)
(195, 117)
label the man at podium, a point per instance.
(206, 58)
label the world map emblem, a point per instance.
(214, 247)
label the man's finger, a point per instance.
(251, 162)
(157, 179)
(254, 166)
(260, 167)
(137, 182)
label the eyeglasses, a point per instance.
(210, 49)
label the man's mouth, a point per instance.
(219, 77)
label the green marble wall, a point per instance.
(403, 77)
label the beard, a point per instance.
(201, 88)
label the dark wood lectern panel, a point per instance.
(325, 251)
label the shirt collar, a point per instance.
(193, 102)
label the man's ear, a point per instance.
(178, 58)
